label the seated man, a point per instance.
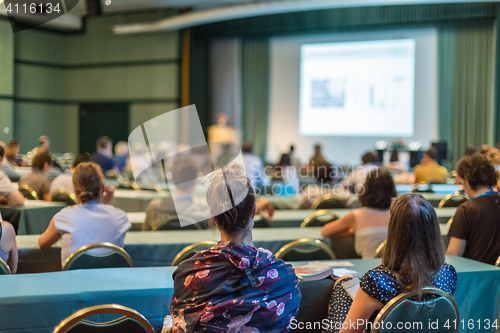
(7, 167)
(475, 231)
(37, 179)
(8, 193)
(65, 181)
(102, 156)
(429, 170)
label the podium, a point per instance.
(223, 141)
(217, 133)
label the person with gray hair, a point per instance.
(233, 285)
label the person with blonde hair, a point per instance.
(92, 220)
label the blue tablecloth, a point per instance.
(32, 218)
(38, 302)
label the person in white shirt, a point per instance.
(65, 181)
(92, 220)
(358, 176)
(8, 246)
(254, 167)
(8, 193)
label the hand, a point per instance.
(108, 194)
(263, 206)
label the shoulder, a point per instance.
(446, 279)
(8, 229)
(381, 284)
(112, 210)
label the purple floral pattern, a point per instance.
(234, 288)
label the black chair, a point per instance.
(453, 200)
(173, 223)
(28, 192)
(4, 268)
(319, 219)
(416, 315)
(64, 196)
(114, 257)
(191, 250)
(130, 321)
(305, 249)
(328, 201)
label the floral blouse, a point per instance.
(234, 288)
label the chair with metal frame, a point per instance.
(435, 305)
(190, 251)
(305, 249)
(450, 221)
(4, 268)
(498, 262)
(453, 200)
(82, 259)
(28, 192)
(379, 252)
(64, 196)
(319, 218)
(173, 223)
(328, 201)
(112, 174)
(130, 321)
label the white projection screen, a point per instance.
(372, 81)
(346, 91)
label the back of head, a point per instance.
(379, 190)
(478, 171)
(228, 186)
(414, 250)
(432, 153)
(12, 148)
(103, 142)
(88, 182)
(2, 152)
(81, 158)
(323, 172)
(484, 149)
(40, 159)
(292, 149)
(317, 149)
(247, 148)
(121, 148)
(470, 150)
(284, 160)
(43, 141)
(394, 156)
(494, 156)
(184, 173)
(369, 157)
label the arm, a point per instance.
(362, 308)
(456, 247)
(264, 205)
(15, 199)
(11, 247)
(47, 197)
(339, 227)
(49, 236)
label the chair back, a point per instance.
(498, 262)
(4, 268)
(28, 192)
(450, 221)
(379, 252)
(173, 223)
(319, 218)
(453, 200)
(305, 249)
(114, 257)
(130, 322)
(328, 201)
(64, 196)
(191, 250)
(262, 222)
(435, 305)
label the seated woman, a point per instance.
(233, 286)
(413, 259)
(91, 220)
(37, 179)
(8, 248)
(283, 172)
(369, 223)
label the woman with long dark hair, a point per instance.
(414, 258)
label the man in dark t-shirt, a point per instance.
(475, 231)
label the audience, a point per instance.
(12, 153)
(102, 156)
(233, 286)
(37, 179)
(429, 171)
(254, 167)
(358, 176)
(395, 165)
(286, 173)
(8, 193)
(324, 176)
(7, 168)
(369, 223)
(317, 158)
(43, 145)
(91, 220)
(8, 246)
(484, 149)
(470, 150)
(413, 258)
(65, 181)
(120, 159)
(475, 231)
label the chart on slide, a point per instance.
(358, 88)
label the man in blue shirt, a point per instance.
(103, 154)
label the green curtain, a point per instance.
(466, 77)
(255, 92)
